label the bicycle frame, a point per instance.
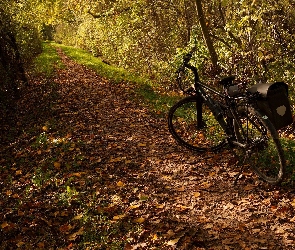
(201, 91)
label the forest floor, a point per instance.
(85, 165)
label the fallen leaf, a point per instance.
(140, 220)
(15, 196)
(173, 242)
(57, 165)
(134, 206)
(78, 217)
(249, 187)
(197, 194)
(18, 172)
(8, 192)
(206, 184)
(20, 243)
(212, 174)
(4, 224)
(160, 206)
(113, 160)
(120, 184)
(119, 217)
(79, 174)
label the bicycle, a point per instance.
(210, 120)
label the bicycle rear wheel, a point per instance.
(196, 135)
(263, 152)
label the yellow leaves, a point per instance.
(8, 192)
(120, 184)
(119, 217)
(78, 217)
(134, 206)
(182, 208)
(113, 160)
(160, 206)
(78, 174)
(212, 174)
(20, 243)
(18, 172)
(197, 194)
(206, 184)
(57, 165)
(4, 224)
(154, 237)
(45, 128)
(140, 220)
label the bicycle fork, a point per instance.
(217, 111)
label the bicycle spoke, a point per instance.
(265, 155)
(191, 133)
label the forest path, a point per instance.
(103, 172)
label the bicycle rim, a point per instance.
(264, 153)
(182, 123)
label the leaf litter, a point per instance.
(86, 165)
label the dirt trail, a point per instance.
(126, 156)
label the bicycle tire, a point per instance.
(264, 154)
(182, 123)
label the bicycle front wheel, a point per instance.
(263, 152)
(197, 132)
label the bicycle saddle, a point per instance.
(227, 80)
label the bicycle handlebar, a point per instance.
(184, 65)
(188, 56)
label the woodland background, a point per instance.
(253, 39)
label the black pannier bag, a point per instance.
(274, 103)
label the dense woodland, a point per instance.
(250, 38)
(86, 158)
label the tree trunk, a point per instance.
(207, 38)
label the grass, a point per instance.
(48, 61)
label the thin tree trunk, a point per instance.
(207, 38)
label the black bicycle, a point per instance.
(244, 119)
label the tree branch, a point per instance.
(231, 35)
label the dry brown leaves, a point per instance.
(113, 164)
